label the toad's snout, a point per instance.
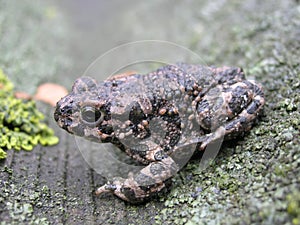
(63, 113)
(59, 110)
(57, 113)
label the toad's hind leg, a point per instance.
(245, 119)
(142, 185)
(242, 123)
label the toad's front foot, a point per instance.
(146, 183)
(129, 190)
(123, 188)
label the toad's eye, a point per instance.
(91, 116)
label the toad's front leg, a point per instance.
(147, 182)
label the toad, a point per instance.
(160, 118)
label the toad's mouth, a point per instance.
(64, 123)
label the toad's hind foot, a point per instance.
(146, 183)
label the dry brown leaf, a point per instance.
(50, 93)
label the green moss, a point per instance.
(293, 207)
(3, 154)
(23, 211)
(20, 122)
